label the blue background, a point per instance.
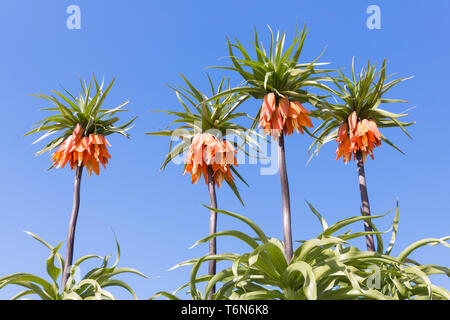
(158, 215)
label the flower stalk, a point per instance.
(286, 202)
(72, 225)
(81, 126)
(355, 122)
(203, 126)
(212, 224)
(278, 78)
(364, 200)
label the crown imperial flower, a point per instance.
(80, 150)
(354, 136)
(207, 150)
(286, 115)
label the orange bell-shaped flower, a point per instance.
(286, 115)
(80, 150)
(206, 150)
(357, 136)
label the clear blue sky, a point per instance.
(158, 215)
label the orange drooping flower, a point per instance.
(286, 115)
(343, 138)
(79, 150)
(357, 136)
(207, 150)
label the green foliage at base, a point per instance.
(326, 267)
(90, 287)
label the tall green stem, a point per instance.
(286, 202)
(364, 200)
(212, 224)
(72, 225)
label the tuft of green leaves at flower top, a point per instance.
(276, 75)
(356, 116)
(204, 126)
(77, 117)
